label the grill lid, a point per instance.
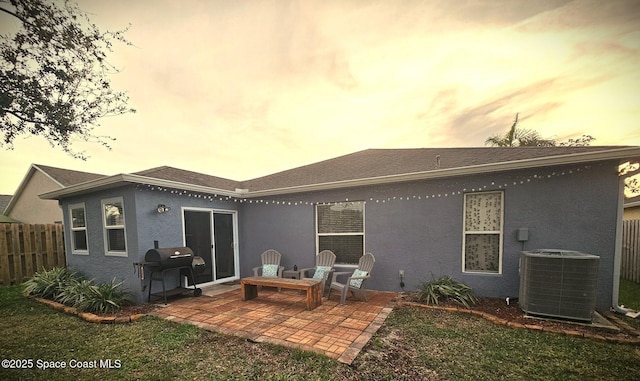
(170, 256)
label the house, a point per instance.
(632, 208)
(429, 212)
(27, 207)
(4, 201)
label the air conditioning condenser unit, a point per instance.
(558, 283)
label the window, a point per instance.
(78, 222)
(482, 247)
(114, 230)
(340, 228)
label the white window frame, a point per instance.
(363, 233)
(106, 227)
(500, 234)
(73, 229)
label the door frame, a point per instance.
(236, 246)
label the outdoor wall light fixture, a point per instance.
(162, 208)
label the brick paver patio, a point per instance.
(276, 317)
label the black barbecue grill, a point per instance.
(162, 260)
(169, 257)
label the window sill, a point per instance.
(345, 266)
(481, 273)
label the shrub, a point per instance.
(103, 297)
(73, 290)
(448, 289)
(48, 283)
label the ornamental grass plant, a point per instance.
(103, 297)
(49, 284)
(445, 288)
(72, 289)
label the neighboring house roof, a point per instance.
(66, 177)
(8, 220)
(4, 201)
(60, 176)
(368, 167)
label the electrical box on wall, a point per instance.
(523, 234)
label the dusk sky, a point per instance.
(241, 89)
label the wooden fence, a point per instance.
(630, 266)
(26, 249)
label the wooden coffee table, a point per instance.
(249, 288)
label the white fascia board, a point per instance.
(101, 183)
(548, 161)
(124, 179)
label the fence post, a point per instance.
(630, 264)
(5, 271)
(27, 243)
(16, 251)
(61, 259)
(633, 250)
(40, 264)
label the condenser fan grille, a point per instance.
(558, 283)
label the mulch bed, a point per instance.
(497, 311)
(126, 314)
(131, 310)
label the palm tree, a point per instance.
(519, 137)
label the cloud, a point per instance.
(497, 13)
(244, 88)
(471, 124)
(586, 15)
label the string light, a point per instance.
(491, 185)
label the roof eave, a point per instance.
(125, 179)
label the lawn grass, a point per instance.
(629, 296)
(460, 347)
(413, 344)
(149, 349)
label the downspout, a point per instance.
(617, 256)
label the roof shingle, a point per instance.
(189, 177)
(373, 163)
(68, 177)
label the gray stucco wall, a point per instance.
(143, 226)
(286, 228)
(415, 227)
(571, 207)
(97, 265)
(167, 228)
